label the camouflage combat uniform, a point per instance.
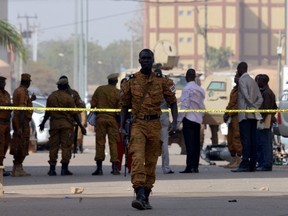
(233, 137)
(106, 96)
(61, 126)
(82, 115)
(145, 141)
(5, 137)
(20, 145)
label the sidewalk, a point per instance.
(213, 191)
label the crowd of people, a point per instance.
(145, 93)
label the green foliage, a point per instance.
(10, 37)
(43, 77)
(56, 57)
(219, 58)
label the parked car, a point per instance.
(282, 117)
(42, 137)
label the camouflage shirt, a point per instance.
(106, 96)
(61, 119)
(21, 99)
(233, 102)
(4, 100)
(76, 97)
(156, 86)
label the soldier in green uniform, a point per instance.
(20, 123)
(5, 116)
(106, 97)
(61, 127)
(82, 116)
(144, 91)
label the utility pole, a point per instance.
(205, 38)
(286, 14)
(279, 54)
(27, 33)
(35, 43)
(80, 48)
(76, 48)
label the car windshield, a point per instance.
(217, 86)
(37, 105)
(284, 97)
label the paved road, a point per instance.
(213, 191)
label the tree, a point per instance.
(11, 38)
(136, 26)
(43, 77)
(219, 58)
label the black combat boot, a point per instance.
(147, 194)
(139, 203)
(99, 170)
(6, 173)
(115, 170)
(52, 171)
(64, 170)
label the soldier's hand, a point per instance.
(33, 97)
(122, 131)
(41, 127)
(225, 117)
(83, 130)
(173, 129)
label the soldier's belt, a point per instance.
(3, 120)
(149, 117)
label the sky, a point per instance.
(56, 18)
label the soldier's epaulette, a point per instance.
(161, 75)
(131, 76)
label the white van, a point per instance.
(217, 88)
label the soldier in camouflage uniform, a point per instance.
(20, 122)
(61, 127)
(106, 97)
(144, 91)
(233, 137)
(82, 116)
(5, 115)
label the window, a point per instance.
(179, 81)
(189, 13)
(181, 13)
(181, 39)
(189, 40)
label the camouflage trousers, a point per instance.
(19, 145)
(233, 137)
(60, 138)
(5, 139)
(106, 125)
(145, 148)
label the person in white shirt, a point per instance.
(192, 97)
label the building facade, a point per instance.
(250, 28)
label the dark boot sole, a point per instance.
(97, 173)
(138, 205)
(52, 173)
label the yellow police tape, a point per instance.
(118, 110)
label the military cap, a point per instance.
(113, 76)
(2, 79)
(26, 77)
(62, 81)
